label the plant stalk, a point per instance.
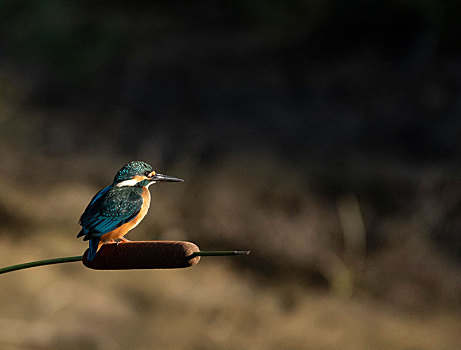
(40, 263)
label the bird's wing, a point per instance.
(95, 203)
(109, 210)
(100, 194)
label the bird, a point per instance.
(119, 207)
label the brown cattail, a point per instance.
(144, 255)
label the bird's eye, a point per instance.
(146, 173)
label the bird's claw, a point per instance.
(123, 240)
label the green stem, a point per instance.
(40, 263)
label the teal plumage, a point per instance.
(112, 209)
(118, 203)
(132, 169)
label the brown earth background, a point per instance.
(324, 136)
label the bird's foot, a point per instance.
(123, 240)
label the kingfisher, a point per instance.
(119, 207)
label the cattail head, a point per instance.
(144, 255)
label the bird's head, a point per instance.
(141, 174)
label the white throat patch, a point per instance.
(131, 182)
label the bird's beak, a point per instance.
(166, 178)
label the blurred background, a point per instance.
(324, 136)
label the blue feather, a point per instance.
(100, 194)
(94, 242)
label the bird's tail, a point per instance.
(94, 247)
